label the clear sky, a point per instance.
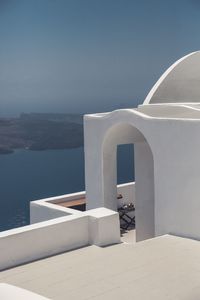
(89, 55)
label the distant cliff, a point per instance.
(41, 132)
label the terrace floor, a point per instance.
(167, 268)
(128, 236)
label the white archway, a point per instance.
(123, 133)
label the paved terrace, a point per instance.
(167, 267)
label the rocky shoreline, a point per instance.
(41, 132)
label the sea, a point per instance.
(31, 175)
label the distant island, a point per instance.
(38, 131)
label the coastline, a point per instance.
(39, 132)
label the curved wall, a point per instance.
(102, 135)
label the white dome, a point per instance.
(179, 84)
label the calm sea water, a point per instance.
(31, 175)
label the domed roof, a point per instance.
(179, 84)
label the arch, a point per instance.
(180, 83)
(126, 133)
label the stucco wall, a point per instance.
(144, 191)
(99, 227)
(177, 179)
(120, 127)
(47, 209)
(189, 111)
(41, 211)
(175, 147)
(127, 190)
(43, 239)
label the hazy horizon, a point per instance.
(87, 56)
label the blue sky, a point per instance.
(89, 55)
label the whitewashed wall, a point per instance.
(40, 212)
(102, 135)
(167, 185)
(43, 239)
(47, 209)
(127, 190)
(21, 245)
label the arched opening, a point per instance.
(143, 197)
(126, 191)
(125, 163)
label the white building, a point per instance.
(165, 132)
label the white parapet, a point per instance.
(55, 229)
(32, 242)
(42, 210)
(127, 190)
(103, 226)
(25, 244)
(49, 208)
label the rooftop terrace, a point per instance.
(103, 265)
(167, 267)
